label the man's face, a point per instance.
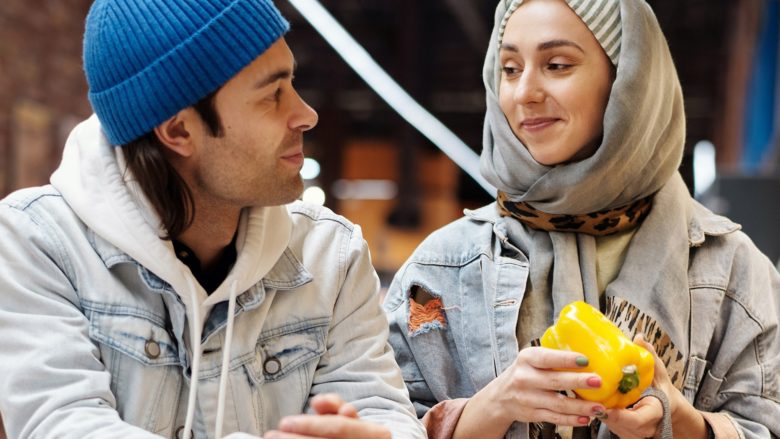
(257, 159)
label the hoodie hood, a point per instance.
(94, 181)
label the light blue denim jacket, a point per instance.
(94, 344)
(730, 358)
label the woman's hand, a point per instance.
(529, 391)
(638, 422)
(335, 419)
(644, 418)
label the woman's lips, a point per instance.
(537, 124)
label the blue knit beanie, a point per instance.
(145, 60)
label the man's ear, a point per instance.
(179, 133)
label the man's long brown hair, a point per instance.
(162, 185)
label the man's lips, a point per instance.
(537, 123)
(295, 157)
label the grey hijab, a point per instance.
(644, 133)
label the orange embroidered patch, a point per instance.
(423, 318)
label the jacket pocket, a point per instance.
(138, 337)
(142, 359)
(282, 370)
(281, 350)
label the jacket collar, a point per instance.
(702, 223)
(287, 274)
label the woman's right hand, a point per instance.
(529, 391)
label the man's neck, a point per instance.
(211, 231)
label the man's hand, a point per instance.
(335, 419)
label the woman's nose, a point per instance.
(529, 88)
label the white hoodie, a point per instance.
(96, 183)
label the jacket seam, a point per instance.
(115, 310)
(25, 204)
(733, 296)
(697, 286)
(343, 256)
(399, 277)
(290, 328)
(458, 264)
(777, 400)
(317, 218)
(57, 248)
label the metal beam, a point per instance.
(389, 90)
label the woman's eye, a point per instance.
(509, 70)
(557, 66)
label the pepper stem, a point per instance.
(630, 379)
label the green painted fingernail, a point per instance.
(582, 361)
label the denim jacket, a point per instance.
(95, 344)
(729, 361)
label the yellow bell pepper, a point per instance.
(625, 368)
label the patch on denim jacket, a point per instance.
(426, 312)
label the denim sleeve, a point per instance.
(397, 314)
(358, 363)
(741, 377)
(52, 381)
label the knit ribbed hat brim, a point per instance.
(145, 60)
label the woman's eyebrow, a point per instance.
(547, 45)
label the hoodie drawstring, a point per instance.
(195, 336)
(224, 370)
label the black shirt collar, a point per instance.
(209, 279)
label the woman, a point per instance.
(584, 133)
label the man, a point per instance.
(159, 286)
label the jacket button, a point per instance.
(152, 349)
(272, 365)
(180, 433)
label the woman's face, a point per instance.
(555, 82)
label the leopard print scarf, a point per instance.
(605, 222)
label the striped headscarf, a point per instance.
(601, 16)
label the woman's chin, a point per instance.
(547, 159)
(554, 158)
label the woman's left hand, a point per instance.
(643, 419)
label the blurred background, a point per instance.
(369, 164)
